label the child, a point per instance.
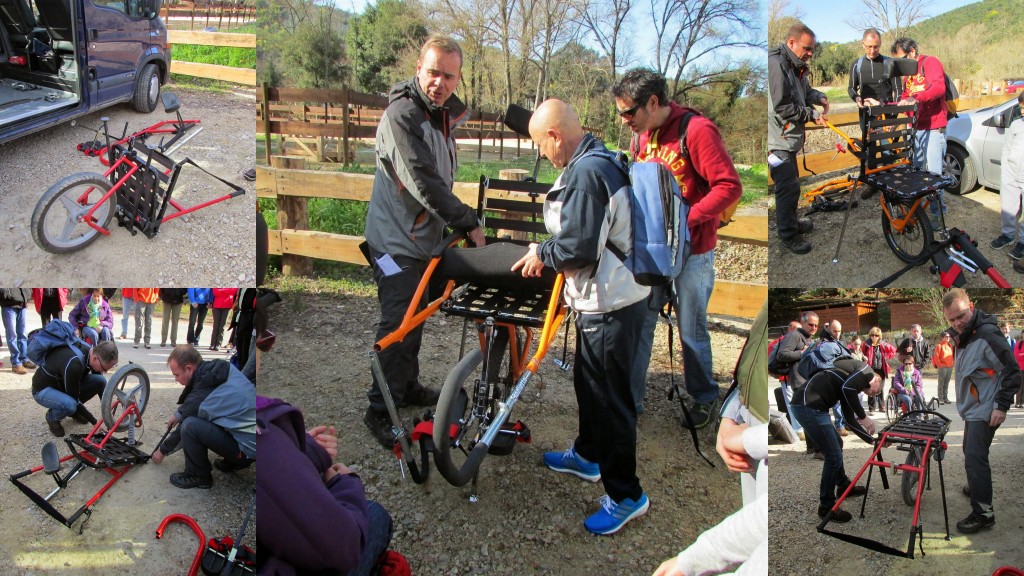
(908, 386)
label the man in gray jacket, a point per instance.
(410, 205)
(987, 375)
(586, 211)
(792, 105)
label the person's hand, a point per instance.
(820, 120)
(860, 102)
(326, 437)
(668, 568)
(172, 420)
(824, 106)
(476, 235)
(871, 102)
(334, 471)
(530, 263)
(158, 456)
(868, 424)
(730, 446)
(997, 418)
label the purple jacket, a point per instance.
(80, 313)
(901, 386)
(305, 525)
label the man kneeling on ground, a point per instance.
(70, 378)
(217, 411)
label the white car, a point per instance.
(974, 144)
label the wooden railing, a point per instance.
(221, 16)
(290, 188)
(245, 76)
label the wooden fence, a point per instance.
(290, 188)
(831, 161)
(219, 15)
(245, 76)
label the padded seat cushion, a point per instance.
(906, 184)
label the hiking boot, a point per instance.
(800, 435)
(55, 428)
(966, 490)
(855, 491)
(186, 480)
(804, 225)
(1018, 251)
(250, 174)
(843, 432)
(975, 522)
(613, 516)
(841, 516)
(702, 415)
(570, 462)
(19, 369)
(420, 396)
(379, 424)
(29, 364)
(83, 416)
(796, 245)
(868, 192)
(1018, 266)
(819, 455)
(1001, 242)
(230, 467)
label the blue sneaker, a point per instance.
(612, 517)
(572, 463)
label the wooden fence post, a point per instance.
(346, 126)
(292, 214)
(266, 121)
(517, 174)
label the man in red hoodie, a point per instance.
(927, 89)
(709, 181)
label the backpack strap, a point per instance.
(684, 123)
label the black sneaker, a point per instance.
(702, 414)
(1001, 242)
(841, 516)
(1018, 251)
(56, 429)
(83, 416)
(796, 245)
(231, 467)
(856, 491)
(379, 424)
(186, 480)
(421, 396)
(1018, 266)
(975, 522)
(250, 174)
(804, 225)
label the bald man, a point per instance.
(586, 210)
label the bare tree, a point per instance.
(608, 21)
(891, 17)
(553, 31)
(780, 18)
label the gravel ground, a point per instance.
(793, 500)
(215, 241)
(528, 520)
(742, 262)
(119, 537)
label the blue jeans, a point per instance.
(14, 328)
(910, 404)
(93, 337)
(693, 290)
(638, 377)
(787, 395)
(818, 426)
(837, 411)
(929, 152)
(127, 305)
(377, 541)
(62, 405)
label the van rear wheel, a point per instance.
(147, 89)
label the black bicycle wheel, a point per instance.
(466, 408)
(911, 244)
(129, 384)
(58, 224)
(910, 478)
(892, 408)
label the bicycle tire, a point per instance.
(74, 235)
(909, 482)
(892, 408)
(112, 406)
(912, 244)
(454, 405)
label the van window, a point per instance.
(133, 8)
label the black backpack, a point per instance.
(776, 367)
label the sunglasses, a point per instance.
(630, 112)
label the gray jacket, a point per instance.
(412, 196)
(587, 209)
(791, 349)
(987, 373)
(15, 297)
(232, 406)
(791, 99)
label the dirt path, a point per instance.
(119, 537)
(793, 500)
(211, 247)
(528, 520)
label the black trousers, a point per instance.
(196, 317)
(977, 441)
(220, 318)
(787, 193)
(605, 351)
(198, 436)
(400, 361)
(50, 309)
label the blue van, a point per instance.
(60, 59)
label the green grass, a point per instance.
(755, 183)
(203, 84)
(331, 278)
(222, 55)
(835, 93)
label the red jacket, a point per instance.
(928, 87)
(709, 180)
(37, 297)
(887, 350)
(128, 293)
(224, 297)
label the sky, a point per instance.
(828, 19)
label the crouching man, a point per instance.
(217, 411)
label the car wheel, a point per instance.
(147, 89)
(958, 165)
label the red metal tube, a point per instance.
(194, 569)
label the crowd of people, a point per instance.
(978, 353)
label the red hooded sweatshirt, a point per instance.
(709, 180)
(928, 87)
